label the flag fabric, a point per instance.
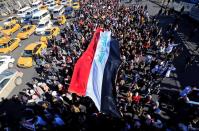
(94, 87)
(95, 77)
(82, 68)
(108, 103)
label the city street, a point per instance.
(28, 73)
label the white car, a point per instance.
(51, 7)
(9, 79)
(8, 20)
(42, 26)
(45, 2)
(64, 2)
(49, 2)
(22, 12)
(6, 62)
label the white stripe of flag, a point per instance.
(94, 86)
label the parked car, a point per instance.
(42, 15)
(25, 21)
(50, 33)
(58, 2)
(6, 62)
(4, 38)
(48, 2)
(66, 3)
(44, 7)
(9, 79)
(22, 12)
(10, 28)
(11, 20)
(26, 31)
(43, 25)
(9, 46)
(32, 11)
(61, 20)
(45, 2)
(36, 4)
(26, 60)
(76, 5)
(51, 7)
(58, 11)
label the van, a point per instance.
(22, 12)
(58, 11)
(39, 16)
(42, 26)
(66, 2)
(36, 4)
(51, 7)
(49, 2)
(45, 2)
(29, 13)
(63, 2)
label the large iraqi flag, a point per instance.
(95, 71)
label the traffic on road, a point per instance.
(32, 25)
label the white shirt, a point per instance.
(170, 47)
(169, 71)
(162, 49)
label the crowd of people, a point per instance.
(147, 55)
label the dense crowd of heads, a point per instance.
(146, 53)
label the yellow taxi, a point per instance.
(44, 7)
(26, 31)
(10, 28)
(4, 38)
(58, 2)
(26, 60)
(1, 28)
(50, 33)
(76, 5)
(9, 46)
(61, 20)
(11, 20)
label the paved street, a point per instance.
(29, 73)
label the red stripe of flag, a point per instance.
(82, 68)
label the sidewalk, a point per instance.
(182, 78)
(185, 27)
